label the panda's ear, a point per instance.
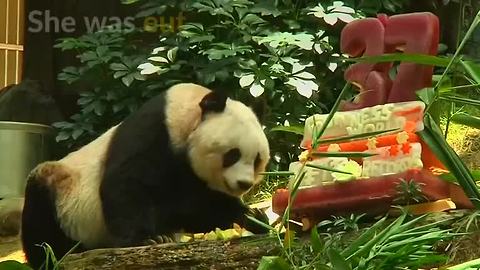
(213, 102)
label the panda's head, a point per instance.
(227, 148)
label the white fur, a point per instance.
(78, 204)
(236, 127)
(80, 210)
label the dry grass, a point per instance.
(466, 142)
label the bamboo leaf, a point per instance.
(326, 168)
(343, 154)
(451, 178)
(466, 120)
(474, 264)
(378, 238)
(291, 198)
(472, 69)
(260, 223)
(467, 36)
(461, 100)
(356, 136)
(279, 173)
(291, 129)
(404, 57)
(432, 136)
(364, 238)
(318, 134)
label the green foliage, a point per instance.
(273, 263)
(341, 223)
(108, 77)
(13, 265)
(402, 243)
(284, 54)
(409, 192)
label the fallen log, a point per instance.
(241, 253)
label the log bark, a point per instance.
(243, 253)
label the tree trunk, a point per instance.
(243, 253)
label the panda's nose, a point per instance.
(244, 185)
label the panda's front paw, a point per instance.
(159, 239)
(254, 227)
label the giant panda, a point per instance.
(180, 163)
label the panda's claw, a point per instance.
(163, 239)
(159, 239)
(149, 242)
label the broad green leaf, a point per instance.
(305, 75)
(266, 8)
(247, 80)
(256, 90)
(159, 59)
(13, 265)
(290, 129)
(119, 74)
(118, 67)
(77, 133)
(128, 80)
(148, 69)
(128, 2)
(62, 136)
(404, 57)
(466, 120)
(427, 95)
(303, 87)
(316, 241)
(273, 263)
(172, 54)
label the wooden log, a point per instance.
(241, 253)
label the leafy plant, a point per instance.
(283, 54)
(409, 192)
(112, 85)
(403, 243)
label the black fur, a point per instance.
(213, 102)
(39, 224)
(149, 190)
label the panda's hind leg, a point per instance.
(39, 219)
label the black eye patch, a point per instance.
(231, 157)
(257, 161)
